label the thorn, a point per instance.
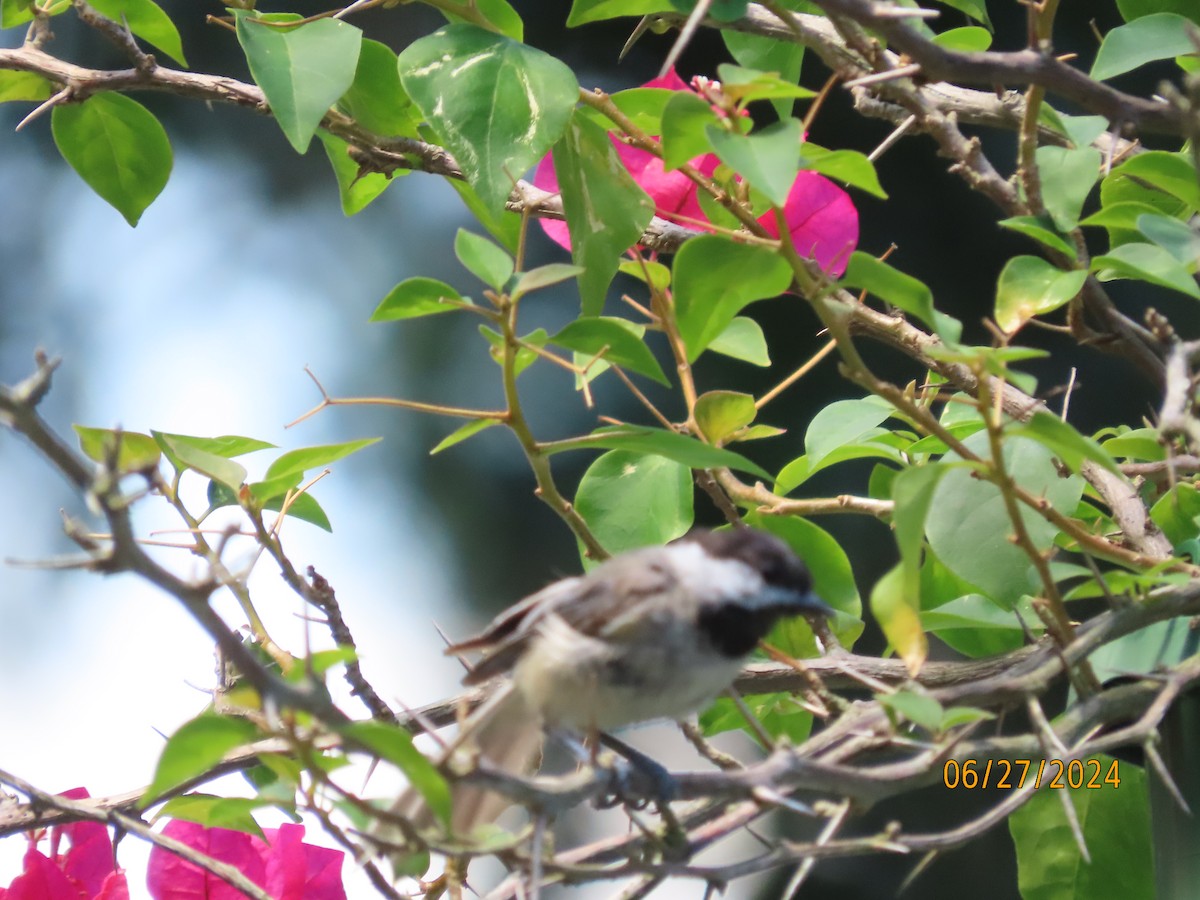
(61, 97)
(641, 28)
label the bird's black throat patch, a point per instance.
(733, 629)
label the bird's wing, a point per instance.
(505, 638)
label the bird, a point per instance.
(652, 633)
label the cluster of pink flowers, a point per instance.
(282, 865)
(821, 218)
(86, 870)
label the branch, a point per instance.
(992, 68)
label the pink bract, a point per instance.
(86, 871)
(821, 217)
(283, 865)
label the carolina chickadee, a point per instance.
(655, 633)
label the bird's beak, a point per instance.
(808, 603)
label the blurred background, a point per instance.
(244, 271)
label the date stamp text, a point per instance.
(971, 774)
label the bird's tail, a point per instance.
(506, 734)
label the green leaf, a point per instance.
(1177, 513)
(185, 452)
(847, 166)
(1029, 286)
(742, 339)
(226, 445)
(1042, 230)
(1147, 262)
(271, 495)
(145, 19)
(963, 715)
(321, 661)
(621, 338)
(1126, 47)
(684, 120)
(194, 749)
(497, 104)
(605, 208)
(769, 55)
(395, 745)
(779, 714)
(376, 99)
(692, 453)
(802, 468)
(499, 12)
(843, 422)
(654, 274)
(903, 291)
(746, 84)
(767, 159)
(297, 462)
(720, 10)
(642, 106)
(272, 490)
(355, 188)
(462, 433)
(1137, 445)
(490, 264)
(1119, 218)
(302, 70)
(976, 9)
(1135, 9)
(117, 147)
(1082, 130)
(975, 626)
(969, 39)
(134, 453)
(758, 433)
(1153, 648)
(921, 709)
(714, 279)
(899, 620)
(18, 12)
(1170, 173)
(212, 811)
(584, 11)
(525, 356)
(1173, 236)
(416, 297)
(544, 276)
(968, 525)
(1068, 444)
(1067, 177)
(631, 499)
(23, 86)
(913, 491)
(720, 414)
(1116, 828)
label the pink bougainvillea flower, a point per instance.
(282, 865)
(300, 871)
(86, 871)
(821, 217)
